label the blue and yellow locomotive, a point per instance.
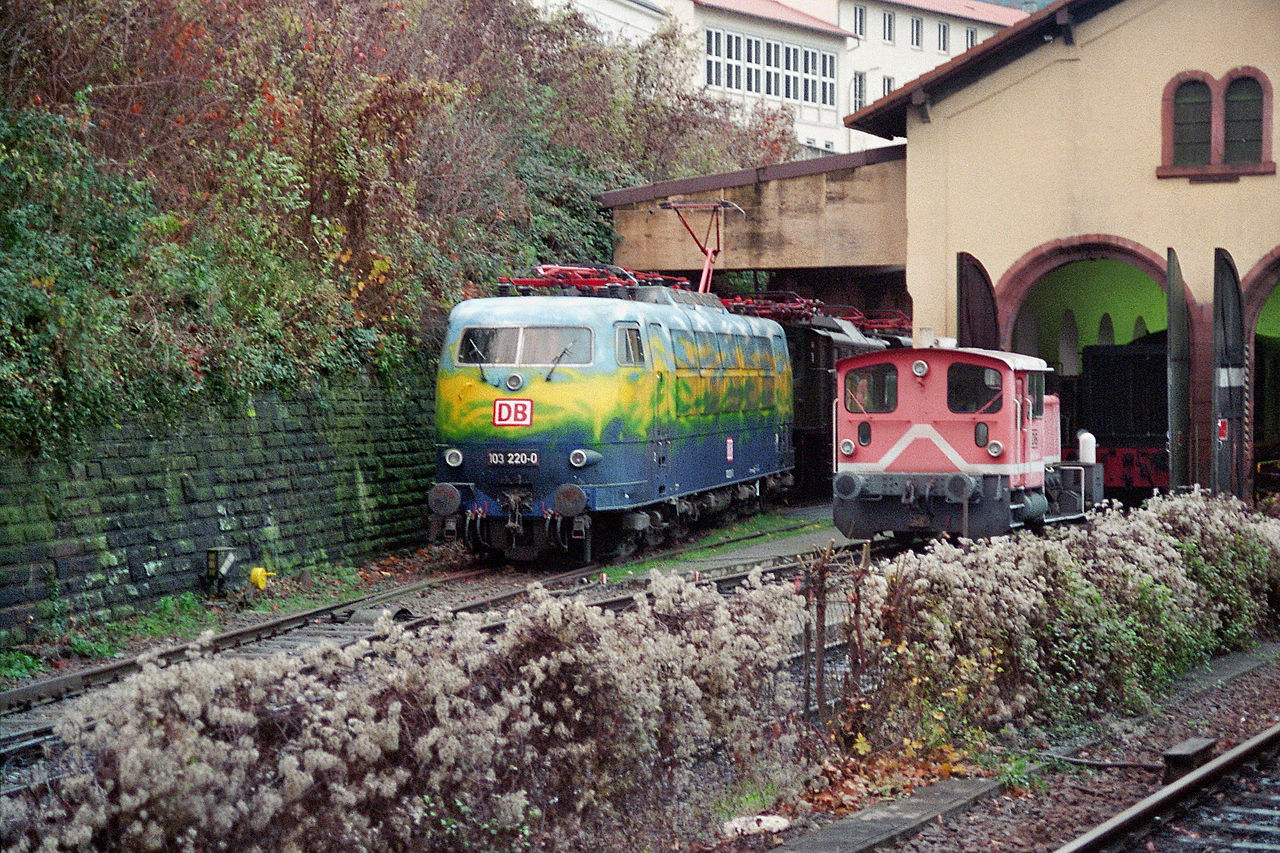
(611, 413)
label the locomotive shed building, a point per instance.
(1054, 180)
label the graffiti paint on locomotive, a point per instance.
(725, 377)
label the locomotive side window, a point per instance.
(686, 349)
(1035, 387)
(629, 346)
(730, 350)
(872, 389)
(708, 352)
(761, 355)
(972, 388)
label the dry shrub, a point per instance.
(573, 730)
(962, 638)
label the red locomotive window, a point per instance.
(1035, 387)
(872, 389)
(972, 388)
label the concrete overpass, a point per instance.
(833, 228)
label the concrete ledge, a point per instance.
(889, 822)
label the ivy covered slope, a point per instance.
(199, 201)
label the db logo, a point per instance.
(512, 412)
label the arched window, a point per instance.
(1069, 345)
(1242, 128)
(1192, 124)
(1106, 331)
(1217, 130)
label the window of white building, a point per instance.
(773, 69)
(859, 27)
(791, 72)
(828, 79)
(917, 32)
(733, 61)
(715, 58)
(859, 93)
(753, 65)
(944, 37)
(889, 85)
(970, 37)
(889, 20)
(810, 79)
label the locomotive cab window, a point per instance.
(972, 388)
(1035, 388)
(629, 345)
(540, 345)
(489, 346)
(872, 389)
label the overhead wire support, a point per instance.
(709, 252)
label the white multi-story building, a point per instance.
(824, 59)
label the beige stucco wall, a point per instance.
(844, 218)
(1065, 142)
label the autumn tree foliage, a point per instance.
(316, 181)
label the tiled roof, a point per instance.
(973, 10)
(772, 10)
(887, 117)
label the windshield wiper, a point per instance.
(480, 364)
(556, 361)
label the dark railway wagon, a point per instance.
(1123, 402)
(1265, 407)
(817, 338)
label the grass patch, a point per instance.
(15, 665)
(182, 617)
(746, 799)
(765, 526)
(310, 588)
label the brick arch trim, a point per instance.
(1017, 281)
(1256, 289)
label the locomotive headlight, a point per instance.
(995, 448)
(581, 458)
(847, 446)
(919, 368)
(453, 457)
(514, 382)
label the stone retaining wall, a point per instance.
(287, 483)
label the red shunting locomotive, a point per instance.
(957, 441)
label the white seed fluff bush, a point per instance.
(572, 730)
(1058, 626)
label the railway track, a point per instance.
(28, 714)
(1230, 803)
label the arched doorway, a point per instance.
(1100, 322)
(1262, 316)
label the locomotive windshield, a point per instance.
(972, 388)
(872, 389)
(540, 345)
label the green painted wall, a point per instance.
(1090, 289)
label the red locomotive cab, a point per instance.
(942, 439)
